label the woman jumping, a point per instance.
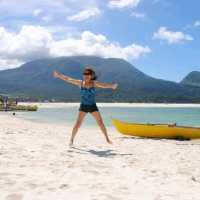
(88, 103)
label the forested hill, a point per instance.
(34, 79)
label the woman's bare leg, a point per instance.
(77, 125)
(99, 121)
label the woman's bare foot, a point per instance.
(109, 141)
(71, 143)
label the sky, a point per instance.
(159, 37)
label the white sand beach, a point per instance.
(37, 164)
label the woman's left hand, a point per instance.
(56, 74)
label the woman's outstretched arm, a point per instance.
(106, 85)
(68, 79)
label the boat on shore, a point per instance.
(168, 131)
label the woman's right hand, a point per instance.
(114, 86)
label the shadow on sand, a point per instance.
(178, 138)
(106, 153)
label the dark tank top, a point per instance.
(88, 95)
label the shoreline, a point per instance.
(67, 120)
(62, 104)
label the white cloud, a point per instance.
(40, 13)
(85, 14)
(171, 37)
(197, 23)
(47, 18)
(6, 64)
(123, 3)
(30, 43)
(37, 12)
(17, 13)
(92, 44)
(138, 15)
(33, 42)
(62, 31)
(57, 9)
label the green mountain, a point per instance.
(192, 79)
(34, 79)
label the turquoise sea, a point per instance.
(189, 116)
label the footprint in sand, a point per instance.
(94, 172)
(52, 189)
(32, 186)
(21, 166)
(48, 146)
(64, 186)
(14, 197)
(10, 132)
(21, 175)
(109, 196)
(4, 174)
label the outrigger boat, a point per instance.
(170, 131)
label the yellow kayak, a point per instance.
(157, 130)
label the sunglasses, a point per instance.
(87, 74)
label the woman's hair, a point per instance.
(88, 69)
